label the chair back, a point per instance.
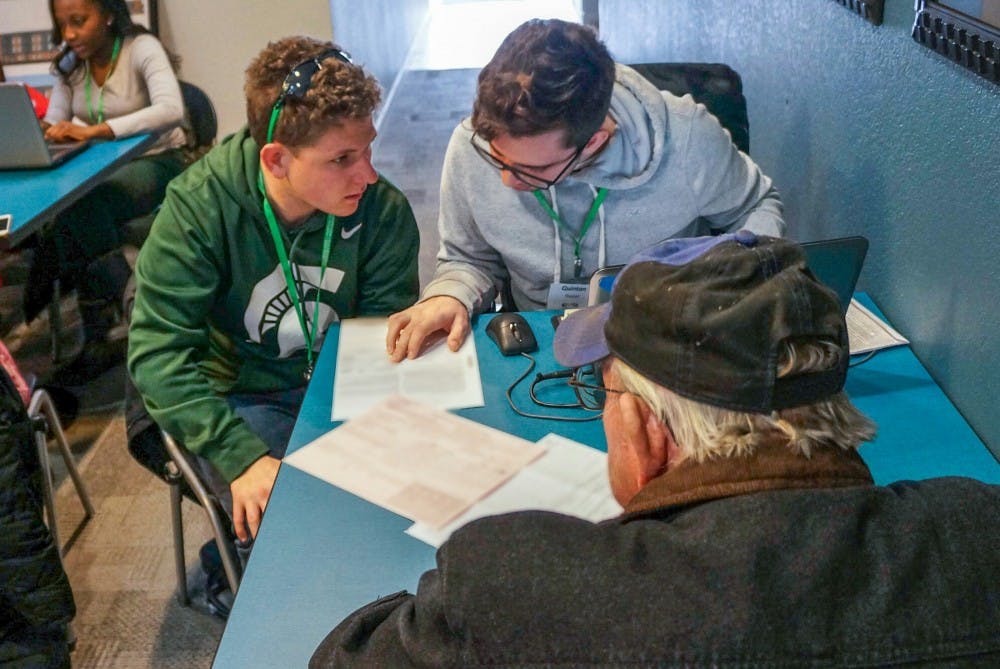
(201, 118)
(714, 85)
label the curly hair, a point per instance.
(546, 75)
(338, 91)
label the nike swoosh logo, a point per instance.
(347, 234)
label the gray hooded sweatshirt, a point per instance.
(670, 169)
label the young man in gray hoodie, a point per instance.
(596, 164)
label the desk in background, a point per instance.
(34, 197)
(322, 552)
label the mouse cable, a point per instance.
(510, 400)
(861, 361)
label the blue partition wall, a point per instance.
(865, 132)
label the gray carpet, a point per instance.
(120, 562)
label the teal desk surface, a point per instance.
(33, 197)
(322, 552)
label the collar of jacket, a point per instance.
(771, 466)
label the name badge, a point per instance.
(567, 296)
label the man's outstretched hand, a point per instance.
(410, 329)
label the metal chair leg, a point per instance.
(49, 498)
(177, 523)
(230, 562)
(41, 405)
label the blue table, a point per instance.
(33, 197)
(322, 552)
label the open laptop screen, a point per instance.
(835, 262)
(22, 142)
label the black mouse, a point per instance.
(512, 334)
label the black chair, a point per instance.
(201, 120)
(714, 85)
(182, 475)
(200, 126)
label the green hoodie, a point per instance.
(212, 311)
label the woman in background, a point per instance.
(115, 77)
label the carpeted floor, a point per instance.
(120, 562)
(122, 571)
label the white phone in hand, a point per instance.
(5, 221)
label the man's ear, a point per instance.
(647, 436)
(599, 138)
(274, 157)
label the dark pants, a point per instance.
(94, 227)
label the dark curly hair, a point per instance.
(547, 75)
(66, 63)
(338, 91)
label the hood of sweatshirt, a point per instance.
(635, 151)
(238, 155)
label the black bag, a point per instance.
(36, 602)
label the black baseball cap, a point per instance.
(706, 317)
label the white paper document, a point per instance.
(415, 460)
(867, 332)
(570, 478)
(365, 376)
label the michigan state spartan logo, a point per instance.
(270, 312)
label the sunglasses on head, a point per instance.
(298, 81)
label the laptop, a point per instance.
(835, 262)
(22, 142)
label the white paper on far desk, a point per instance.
(570, 478)
(420, 462)
(365, 376)
(867, 332)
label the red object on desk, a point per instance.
(38, 101)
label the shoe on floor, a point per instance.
(217, 592)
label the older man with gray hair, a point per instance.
(752, 532)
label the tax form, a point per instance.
(439, 377)
(418, 461)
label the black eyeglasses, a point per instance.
(591, 395)
(298, 81)
(483, 149)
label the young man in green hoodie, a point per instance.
(281, 230)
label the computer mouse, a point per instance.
(512, 334)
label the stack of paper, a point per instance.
(570, 478)
(867, 332)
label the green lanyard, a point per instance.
(99, 117)
(577, 240)
(286, 268)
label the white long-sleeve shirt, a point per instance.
(140, 95)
